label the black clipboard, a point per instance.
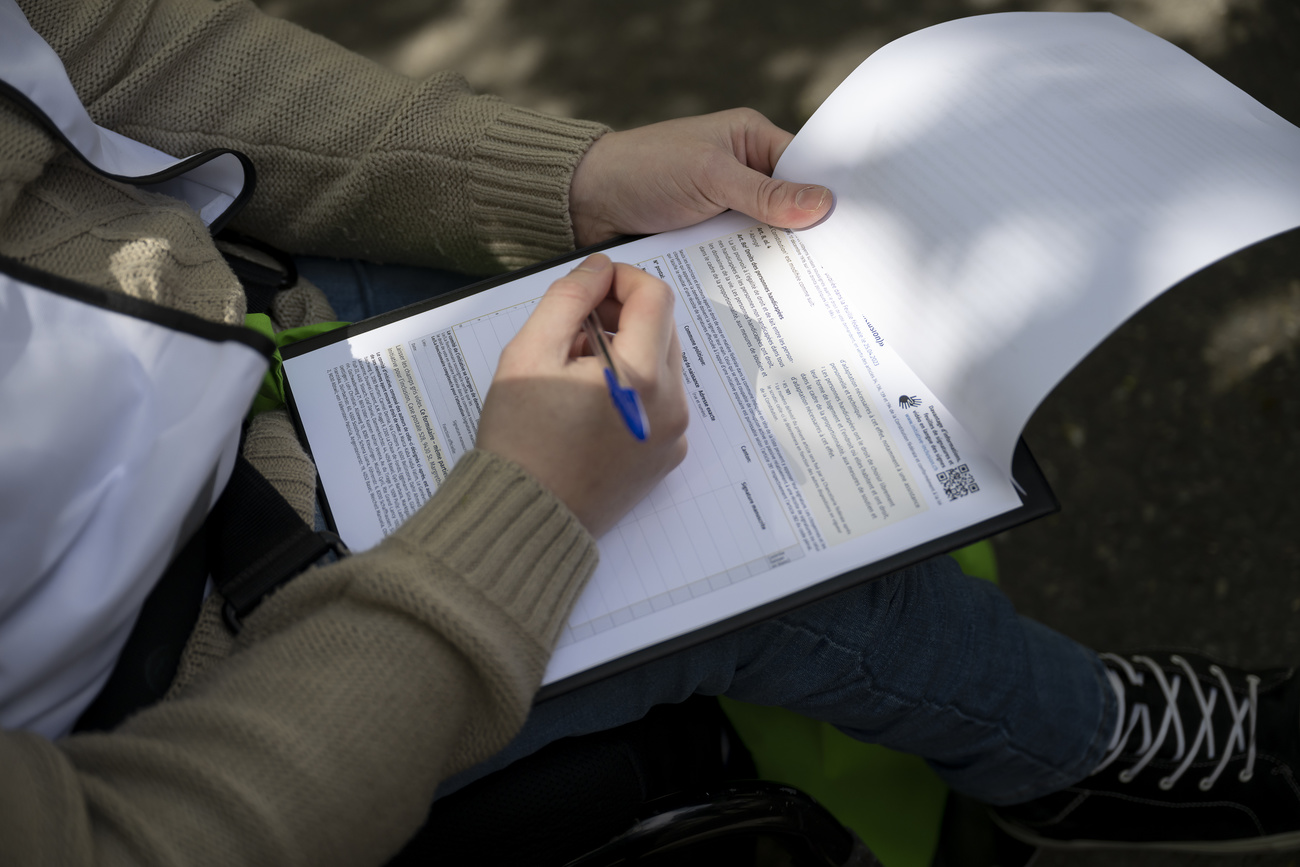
(1036, 501)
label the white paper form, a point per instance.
(802, 464)
(1010, 188)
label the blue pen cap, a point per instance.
(629, 406)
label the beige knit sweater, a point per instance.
(318, 736)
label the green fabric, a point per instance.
(978, 560)
(893, 801)
(271, 393)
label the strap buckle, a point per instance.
(237, 606)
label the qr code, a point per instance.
(958, 482)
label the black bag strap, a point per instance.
(261, 284)
(251, 543)
(260, 542)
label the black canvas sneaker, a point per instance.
(1204, 760)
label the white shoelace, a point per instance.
(1241, 737)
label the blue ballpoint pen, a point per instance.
(624, 396)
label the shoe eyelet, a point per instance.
(1205, 784)
(1245, 776)
(1126, 776)
(1166, 784)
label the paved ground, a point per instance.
(1174, 448)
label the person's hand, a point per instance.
(679, 172)
(549, 410)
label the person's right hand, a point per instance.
(549, 410)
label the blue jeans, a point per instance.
(926, 661)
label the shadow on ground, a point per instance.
(1174, 448)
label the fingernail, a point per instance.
(811, 198)
(594, 262)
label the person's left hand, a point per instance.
(679, 172)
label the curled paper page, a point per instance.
(1010, 188)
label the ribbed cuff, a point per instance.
(508, 537)
(520, 183)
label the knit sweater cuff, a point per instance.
(520, 183)
(510, 538)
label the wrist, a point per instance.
(588, 193)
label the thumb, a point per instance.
(785, 204)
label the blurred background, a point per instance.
(1174, 448)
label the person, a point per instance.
(320, 733)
